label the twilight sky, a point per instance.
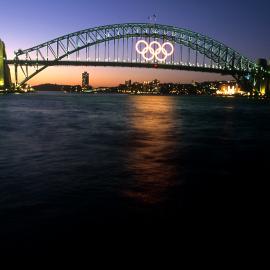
(241, 24)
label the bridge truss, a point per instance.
(114, 45)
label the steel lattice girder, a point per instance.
(224, 56)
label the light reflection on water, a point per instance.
(153, 124)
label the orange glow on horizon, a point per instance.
(113, 76)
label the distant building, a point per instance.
(85, 81)
(128, 83)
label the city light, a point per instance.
(229, 89)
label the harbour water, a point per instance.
(69, 162)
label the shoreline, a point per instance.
(129, 94)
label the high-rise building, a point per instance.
(128, 83)
(85, 81)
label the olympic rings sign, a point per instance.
(154, 50)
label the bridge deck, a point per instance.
(125, 64)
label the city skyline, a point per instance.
(246, 35)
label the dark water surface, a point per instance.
(69, 162)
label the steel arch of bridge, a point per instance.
(224, 59)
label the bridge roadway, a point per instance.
(194, 68)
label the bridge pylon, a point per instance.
(5, 79)
(262, 78)
(256, 82)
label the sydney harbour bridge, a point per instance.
(138, 45)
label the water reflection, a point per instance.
(153, 140)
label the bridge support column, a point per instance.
(2, 70)
(268, 80)
(267, 86)
(5, 79)
(262, 86)
(16, 74)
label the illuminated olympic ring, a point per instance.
(154, 53)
